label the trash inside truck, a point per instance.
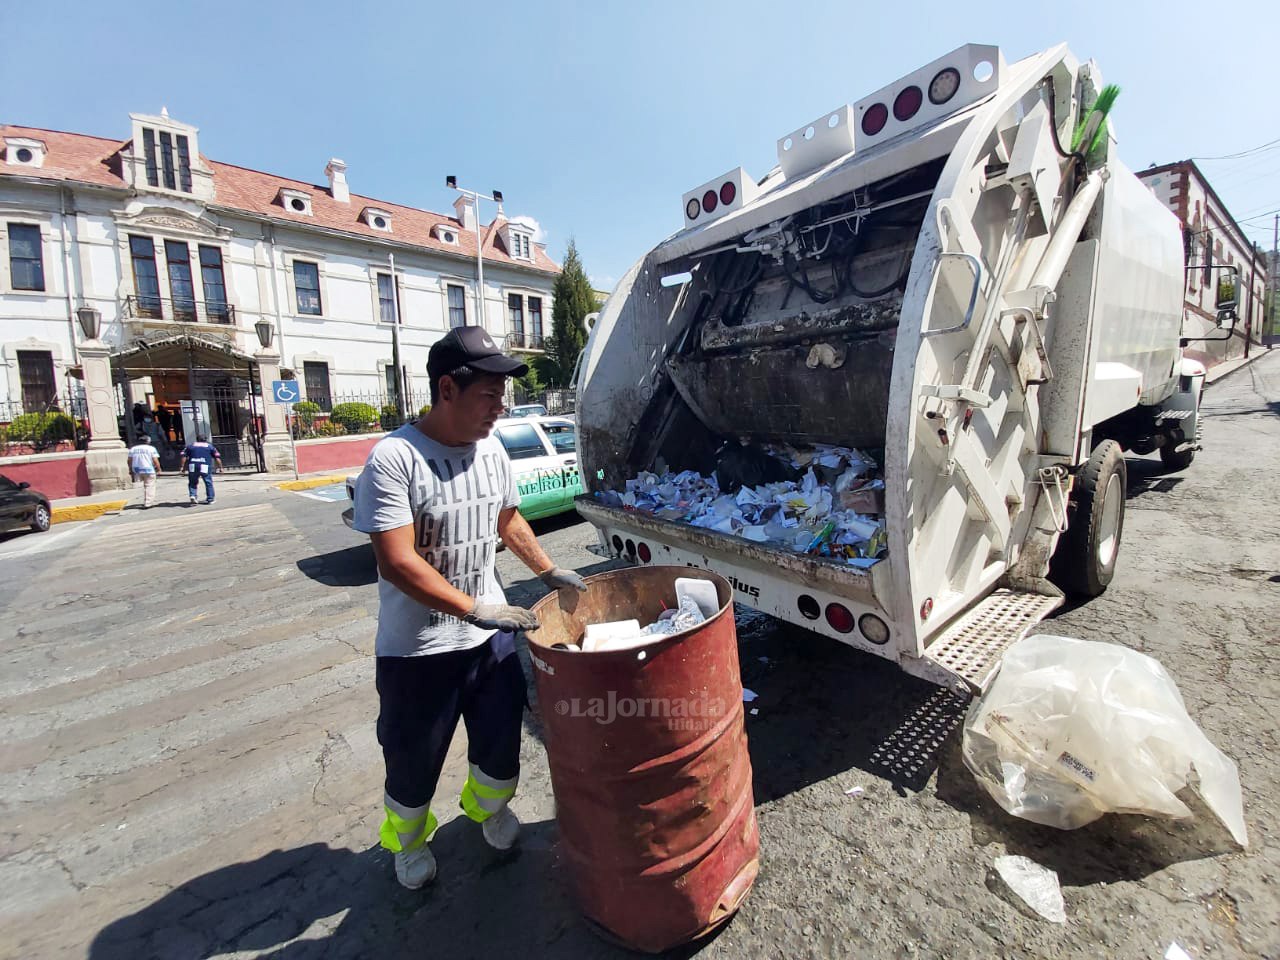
(885, 390)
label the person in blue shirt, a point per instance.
(199, 460)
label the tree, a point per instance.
(574, 299)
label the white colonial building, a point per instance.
(182, 256)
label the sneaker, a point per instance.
(501, 830)
(192, 500)
(416, 867)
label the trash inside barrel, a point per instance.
(648, 754)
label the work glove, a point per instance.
(501, 616)
(558, 578)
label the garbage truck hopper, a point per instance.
(918, 285)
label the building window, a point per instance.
(181, 288)
(26, 262)
(215, 285)
(184, 164)
(145, 280)
(515, 305)
(388, 300)
(306, 286)
(149, 155)
(315, 377)
(535, 320)
(35, 372)
(457, 306)
(389, 375)
(166, 160)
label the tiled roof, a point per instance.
(78, 158)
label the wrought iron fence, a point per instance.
(526, 341)
(354, 413)
(558, 402)
(180, 311)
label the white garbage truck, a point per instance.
(955, 274)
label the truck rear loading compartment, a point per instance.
(868, 586)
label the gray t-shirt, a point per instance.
(452, 497)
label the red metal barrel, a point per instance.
(649, 764)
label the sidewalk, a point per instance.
(1221, 370)
(115, 501)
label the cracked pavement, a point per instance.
(189, 768)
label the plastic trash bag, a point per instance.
(1072, 729)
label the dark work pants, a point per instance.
(420, 700)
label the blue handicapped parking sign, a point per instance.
(285, 391)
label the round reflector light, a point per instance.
(728, 192)
(926, 608)
(907, 103)
(631, 548)
(617, 543)
(874, 119)
(944, 86)
(809, 607)
(645, 554)
(692, 208)
(874, 629)
(840, 618)
(709, 201)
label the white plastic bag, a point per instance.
(1073, 729)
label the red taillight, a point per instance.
(728, 193)
(907, 103)
(926, 608)
(692, 208)
(840, 618)
(645, 554)
(873, 121)
(709, 200)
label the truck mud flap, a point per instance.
(965, 656)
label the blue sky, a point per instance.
(594, 118)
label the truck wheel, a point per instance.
(1175, 460)
(1085, 560)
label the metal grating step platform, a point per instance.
(971, 648)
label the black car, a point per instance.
(20, 507)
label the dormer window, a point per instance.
(168, 159)
(295, 201)
(519, 243)
(446, 234)
(377, 219)
(24, 152)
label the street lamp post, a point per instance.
(452, 184)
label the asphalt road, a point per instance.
(188, 765)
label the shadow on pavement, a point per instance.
(317, 901)
(350, 567)
(826, 709)
(1116, 847)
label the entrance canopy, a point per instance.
(179, 352)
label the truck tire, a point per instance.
(1175, 460)
(1085, 560)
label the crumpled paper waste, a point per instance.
(810, 516)
(627, 634)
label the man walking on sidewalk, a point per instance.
(199, 460)
(434, 497)
(144, 464)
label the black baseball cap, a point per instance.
(474, 348)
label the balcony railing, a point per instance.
(526, 341)
(179, 311)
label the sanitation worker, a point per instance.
(434, 497)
